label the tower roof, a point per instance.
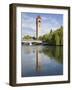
(38, 17)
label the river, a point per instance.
(38, 60)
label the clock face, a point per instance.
(39, 21)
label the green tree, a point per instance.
(27, 37)
(54, 38)
(51, 31)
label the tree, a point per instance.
(53, 41)
(40, 37)
(54, 38)
(27, 37)
(57, 39)
(51, 31)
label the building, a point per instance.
(38, 26)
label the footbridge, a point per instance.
(30, 42)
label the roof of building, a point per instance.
(38, 17)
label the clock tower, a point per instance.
(38, 26)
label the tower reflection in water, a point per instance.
(41, 60)
(38, 58)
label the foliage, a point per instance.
(53, 38)
(27, 37)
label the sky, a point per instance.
(49, 21)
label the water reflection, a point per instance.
(55, 52)
(41, 60)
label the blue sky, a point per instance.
(49, 21)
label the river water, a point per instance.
(38, 60)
